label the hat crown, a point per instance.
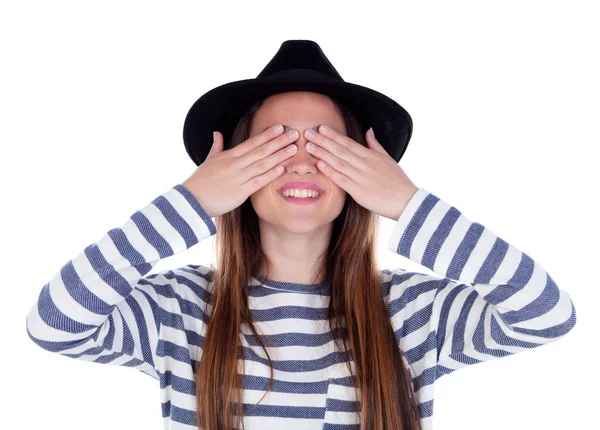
(300, 58)
(298, 65)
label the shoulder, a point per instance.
(407, 286)
(187, 285)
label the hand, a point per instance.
(373, 178)
(227, 178)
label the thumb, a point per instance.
(217, 145)
(373, 143)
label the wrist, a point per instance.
(404, 199)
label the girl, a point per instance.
(298, 328)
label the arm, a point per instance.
(99, 307)
(493, 300)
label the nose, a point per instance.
(302, 161)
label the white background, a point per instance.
(504, 99)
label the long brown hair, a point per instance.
(387, 400)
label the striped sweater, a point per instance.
(489, 300)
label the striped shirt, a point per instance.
(490, 300)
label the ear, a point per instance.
(372, 142)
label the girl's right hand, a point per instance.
(227, 178)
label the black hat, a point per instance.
(299, 65)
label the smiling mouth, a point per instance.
(301, 200)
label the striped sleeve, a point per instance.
(490, 300)
(99, 307)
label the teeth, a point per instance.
(300, 193)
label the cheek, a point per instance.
(256, 197)
(338, 196)
(339, 193)
(261, 197)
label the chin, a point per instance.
(299, 227)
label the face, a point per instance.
(299, 110)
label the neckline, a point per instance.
(323, 288)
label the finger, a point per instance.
(341, 180)
(374, 143)
(257, 182)
(256, 141)
(267, 149)
(343, 140)
(339, 164)
(263, 165)
(339, 150)
(217, 145)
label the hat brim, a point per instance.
(222, 107)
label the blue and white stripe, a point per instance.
(489, 300)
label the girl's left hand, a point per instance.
(373, 178)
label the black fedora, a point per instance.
(299, 65)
